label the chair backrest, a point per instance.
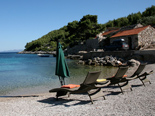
(91, 77)
(139, 69)
(121, 71)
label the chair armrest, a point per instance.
(102, 84)
(146, 73)
(131, 78)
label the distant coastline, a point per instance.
(15, 50)
(36, 52)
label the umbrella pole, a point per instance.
(62, 81)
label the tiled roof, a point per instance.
(130, 32)
(108, 32)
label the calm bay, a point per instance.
(22, 74)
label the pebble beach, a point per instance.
(139, 102)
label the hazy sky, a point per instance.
(22, 21)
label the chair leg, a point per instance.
(104, 97)
(141, 79)
(142, 82)
(144, 79)
(120, 88)
(95, 93)
(131, 88)
(90, 98)
(68, 93)
(124, 86)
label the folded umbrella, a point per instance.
(61, 65)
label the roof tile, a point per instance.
(108, 32)
(130, 32)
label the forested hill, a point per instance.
(87, 28)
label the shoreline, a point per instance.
(29, 91)
(139, 102)
(37, 52)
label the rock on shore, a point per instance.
(103, 61)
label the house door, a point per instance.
(130, 42)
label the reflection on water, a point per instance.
(78, 72)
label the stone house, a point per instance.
(137, 37)
(134, 35)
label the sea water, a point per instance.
(31, 74)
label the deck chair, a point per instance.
(89, 86)
(120, 80)
(142, 77)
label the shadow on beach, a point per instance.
(78, 99)
(66, 102)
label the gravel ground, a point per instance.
(139, 102)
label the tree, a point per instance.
(130, 19)
(72, 27)
(147, 20)
(110, 24)
(92, 18)
(87, 28)
(133, 18)
(149, 12)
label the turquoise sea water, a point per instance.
(30, 74)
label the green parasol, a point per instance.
(61, 66)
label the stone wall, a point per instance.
(141, 55)
(91, 45)
(147, 55)
(146, 37)
(76, 49)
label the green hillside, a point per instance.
(87, 28)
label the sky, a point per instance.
(22, 21)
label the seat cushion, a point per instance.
(70, 86)
(123, 76)
(100, 80)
